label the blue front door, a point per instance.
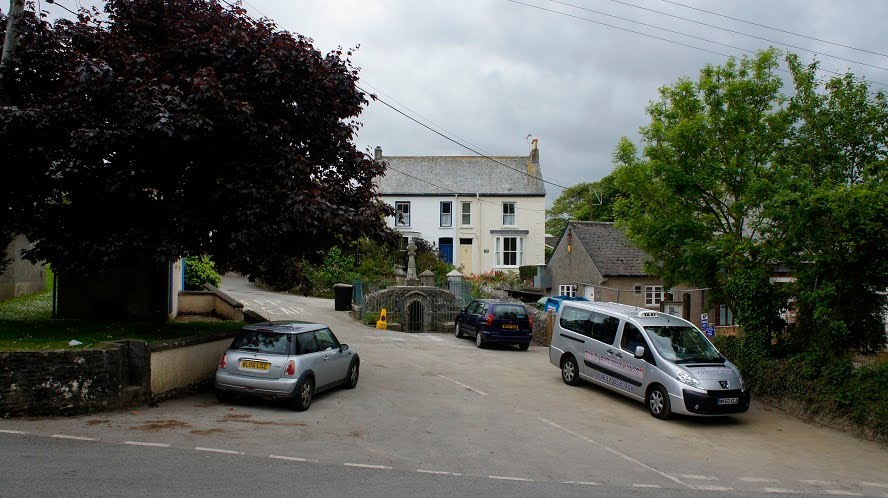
(445, 247)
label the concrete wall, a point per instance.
(21, 277)
(486, 215)
(186, 363)
(210, 302)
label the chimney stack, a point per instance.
(535, 151)
(378, 153)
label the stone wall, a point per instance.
(61, 382)
(210, 302)
(185, 364)
(439, 306)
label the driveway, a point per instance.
(435, 405)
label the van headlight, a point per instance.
(742, 383)
(688, 379)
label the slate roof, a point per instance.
(609, 248)
(551, 240)
(414, 175)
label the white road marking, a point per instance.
(758, 479)
(781, 490)
(646, 486)
(461, 384)
(78, 438)
(292, 459)
(841, 492)
(439, 472)
(699, 477)
(585, 483)
(706, 487)
(383, 338)
(7, 431)
(141, 443)
(367, 466)
(217, 450)
(615, 452)
(504, 478)
(874, 484)
(818, 483)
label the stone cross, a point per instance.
(411, 260)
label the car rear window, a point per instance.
(509, 311)
(263, 342)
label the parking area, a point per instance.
(437, 403)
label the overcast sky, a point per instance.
(492, 72)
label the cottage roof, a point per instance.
(415, 175)
(609, 248)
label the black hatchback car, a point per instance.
(492, 321)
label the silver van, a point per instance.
(653, 357)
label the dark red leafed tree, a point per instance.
(170, 127)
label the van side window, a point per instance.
(590, 324)
(631, 338)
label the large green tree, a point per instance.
(173, 127)
(696, 199)
(829, 214)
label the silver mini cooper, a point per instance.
(285, 360)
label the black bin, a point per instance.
(342, 297)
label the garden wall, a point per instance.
(210, 302)
(185, 364)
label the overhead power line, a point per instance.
(668, 40)
(725, 29)
(55, 2)
(774, 28)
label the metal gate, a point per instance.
(415, 313)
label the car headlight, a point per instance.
(742, 382)
(688, 379)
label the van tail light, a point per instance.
(223, 364)
(489, 320)
(291, 368)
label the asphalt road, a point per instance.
(431, 414)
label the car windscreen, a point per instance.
(263, 342)
(513, 311)
(682, 344)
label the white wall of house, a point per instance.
(494, 243)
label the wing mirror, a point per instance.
(343, 347)
(639, 351)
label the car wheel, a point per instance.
(479, 339)
(457, 331)
(304, 395)
(570, 371)
(524, 346)
(351, 381)
(224, 396)
(658, 402)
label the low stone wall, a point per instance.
(210, 302)
(61, 382)
(182, 365)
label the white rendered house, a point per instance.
(481, 214)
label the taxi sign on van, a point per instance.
(647, 314)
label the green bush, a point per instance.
(527, 272)
(822, 384)
(200, 270)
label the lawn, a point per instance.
(26, 324)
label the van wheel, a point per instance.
(658, 402)
(456, 331)
(570, 371)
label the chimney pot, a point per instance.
(378, 153)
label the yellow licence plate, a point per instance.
(510, 326)
(256, 365)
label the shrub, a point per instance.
(527, 272)
(200, 270)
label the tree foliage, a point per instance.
(591, 201)
(736, 177)
(176, 127)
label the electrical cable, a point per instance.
(770, 27)
(675, 42)
(710, 26)
(55, 2)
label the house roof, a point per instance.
(551, 240)
(449, 175)
(609, 248)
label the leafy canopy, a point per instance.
(176, 127)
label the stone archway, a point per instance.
(417, 312)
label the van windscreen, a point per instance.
(683, 344)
